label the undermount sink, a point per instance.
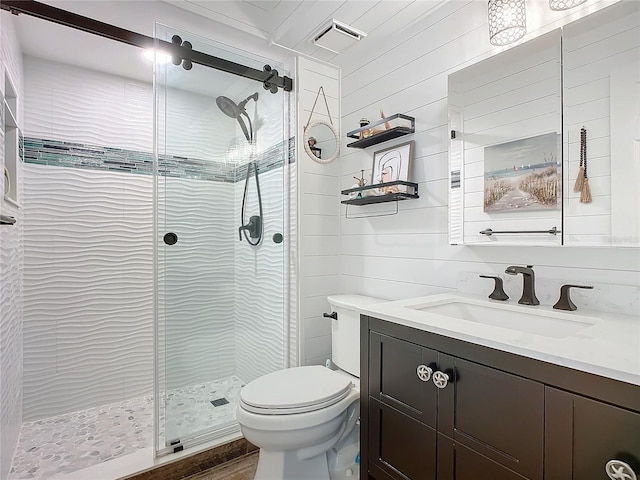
(545, 323)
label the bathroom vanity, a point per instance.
(445, 395)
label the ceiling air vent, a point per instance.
(337, 36)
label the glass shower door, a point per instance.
(222, 152)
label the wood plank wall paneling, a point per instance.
(409, 254)
(590, 89)
(318, 215)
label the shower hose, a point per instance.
(244, 203)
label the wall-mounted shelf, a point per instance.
(406, 125)
(411, 191)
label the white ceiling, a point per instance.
(253, 26)
(293, 23)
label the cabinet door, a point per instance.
(400, 446)
(583, 436)
(394, 368)
(498, 415)
(458, 462)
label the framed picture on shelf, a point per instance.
(391, 164)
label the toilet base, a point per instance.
(287, 466)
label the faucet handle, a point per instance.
(498, 290)
(565, 303)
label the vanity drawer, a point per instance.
(400, 446)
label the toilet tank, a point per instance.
(345, 330)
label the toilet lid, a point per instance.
(295, 390)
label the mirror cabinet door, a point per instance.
(505, 113)
(601, 88)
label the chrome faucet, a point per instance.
(528, 284)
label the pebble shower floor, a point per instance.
(73, 441)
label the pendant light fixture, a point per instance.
(564, 4)
(507, 21)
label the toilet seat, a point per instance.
(295, 390)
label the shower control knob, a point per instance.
(424, 372)
(170, 238)
(440, 379)
(277, 238)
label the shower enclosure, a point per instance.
(144, 313)
(222, 157)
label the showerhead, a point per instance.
(228, 107)
(233, 110)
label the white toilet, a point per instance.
(300, 417)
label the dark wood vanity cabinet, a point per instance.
(482, 420)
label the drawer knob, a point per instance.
(440, 379)
(424, 372)
(619, 470)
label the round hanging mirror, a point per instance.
(321, 142)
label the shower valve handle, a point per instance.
(253, 227)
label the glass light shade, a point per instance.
(564, 4)
(507, 21)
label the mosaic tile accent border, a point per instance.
(20, 145)
(94, 157)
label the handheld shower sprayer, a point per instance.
(255, 226)
(233, 110)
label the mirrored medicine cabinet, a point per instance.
(522, 123)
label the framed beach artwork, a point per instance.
(523, 175)
(391, 164)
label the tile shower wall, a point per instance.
(64, 346)
(408, 254)
(88, 329)
(73, 104)
(259, 273)
(11, 262)
(196, 290)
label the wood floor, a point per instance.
(243, 468)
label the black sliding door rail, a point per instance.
(181, 52)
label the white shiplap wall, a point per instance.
(408, 254)
(11, 264)
(601, 72)
(318, 215)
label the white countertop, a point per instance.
(609, 345)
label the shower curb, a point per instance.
(198, 462)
